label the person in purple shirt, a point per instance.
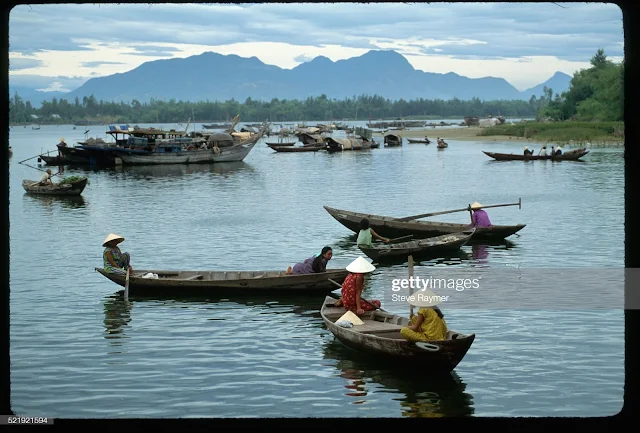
(479, 218)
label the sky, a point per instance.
(61, 46)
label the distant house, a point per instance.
(33, 116)
(55, 116)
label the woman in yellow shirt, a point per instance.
(429, 323)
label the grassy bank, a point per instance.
(561, 132)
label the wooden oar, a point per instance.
(126, 286)
(362, 299)
(468, 208)
(402, 237)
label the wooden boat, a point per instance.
(413, 140)
(392, 140)
(172, 152)
(235, 282)
(419, 247)
(53, 160)
(71, 188)
(380, 336)
(392, 228)
(313, 148)
(572, 155)
(442, 145)
(283, 143)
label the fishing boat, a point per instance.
(393, 227)
(57, 160)
(308, 148)
(282, 143)
(234, 282)
(349, 143)
(392, 140)
(572, 155)
(175, 152)
(442, 144)
(421, 247)
(419, 141)
(67, 188)
(380, 335)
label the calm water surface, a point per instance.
(77, 350)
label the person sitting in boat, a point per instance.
(558, 151)
(527, 151)
(352, 288)
(543, 151)
(429, 323)
(46, 178)
(115, 261)
(314, 264)
(553, 151)
(366, 235)
(479, 218)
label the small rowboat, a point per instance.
(442, 145)
(393, 227)
(413, 140)
(420, 247)
(312, 148)
(572, 155)
(70, 188)
(380, 336)
(229, 282)
(290, 143)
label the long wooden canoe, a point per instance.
(573, 155)
(380, 336)
(308, 148)
(71, 188)
(392, 228)
(234, 282)
(290, 143)
(421, 247)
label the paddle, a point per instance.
(402, 237)
(362, 299)
(126, 287)
(468, 208)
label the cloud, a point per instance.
(55, 86)
(18, 63)
(155, 50)
(303, 58)
(99, 63)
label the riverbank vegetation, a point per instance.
(90, 111)
(561, 132)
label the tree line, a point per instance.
(312, 108)
(594, 94)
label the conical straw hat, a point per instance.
(526, 148)
(61, 138)
(351, 318)
(111, 237)
(360, 266)
(476, 205)
(424, 298)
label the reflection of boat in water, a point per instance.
(66, 201)
(422, 394)
(177, 170)
(117, 314)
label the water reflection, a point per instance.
(69, 202)
(117, 315)
(421, 395)
(179, 170)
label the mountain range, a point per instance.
(212, 76)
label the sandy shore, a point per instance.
(460, 133)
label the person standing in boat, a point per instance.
(46, 178)
(352, 288)
(314, 264)
(366, 235)
(115, 261)
(429, 323)
(479, 218)
(543, 151)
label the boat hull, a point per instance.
(280, 148)
(420, 248)
(391, 227)
(227, 282)
(68, 189)
(229, 154)
(573, 155)
(388, 343)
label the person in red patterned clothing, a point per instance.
(352, 288)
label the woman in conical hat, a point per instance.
(479, 217)
(352, 288)
(115, 261)
(429, 323)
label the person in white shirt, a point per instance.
(46, 178)
(543, 151)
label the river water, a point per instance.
(79, 351)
